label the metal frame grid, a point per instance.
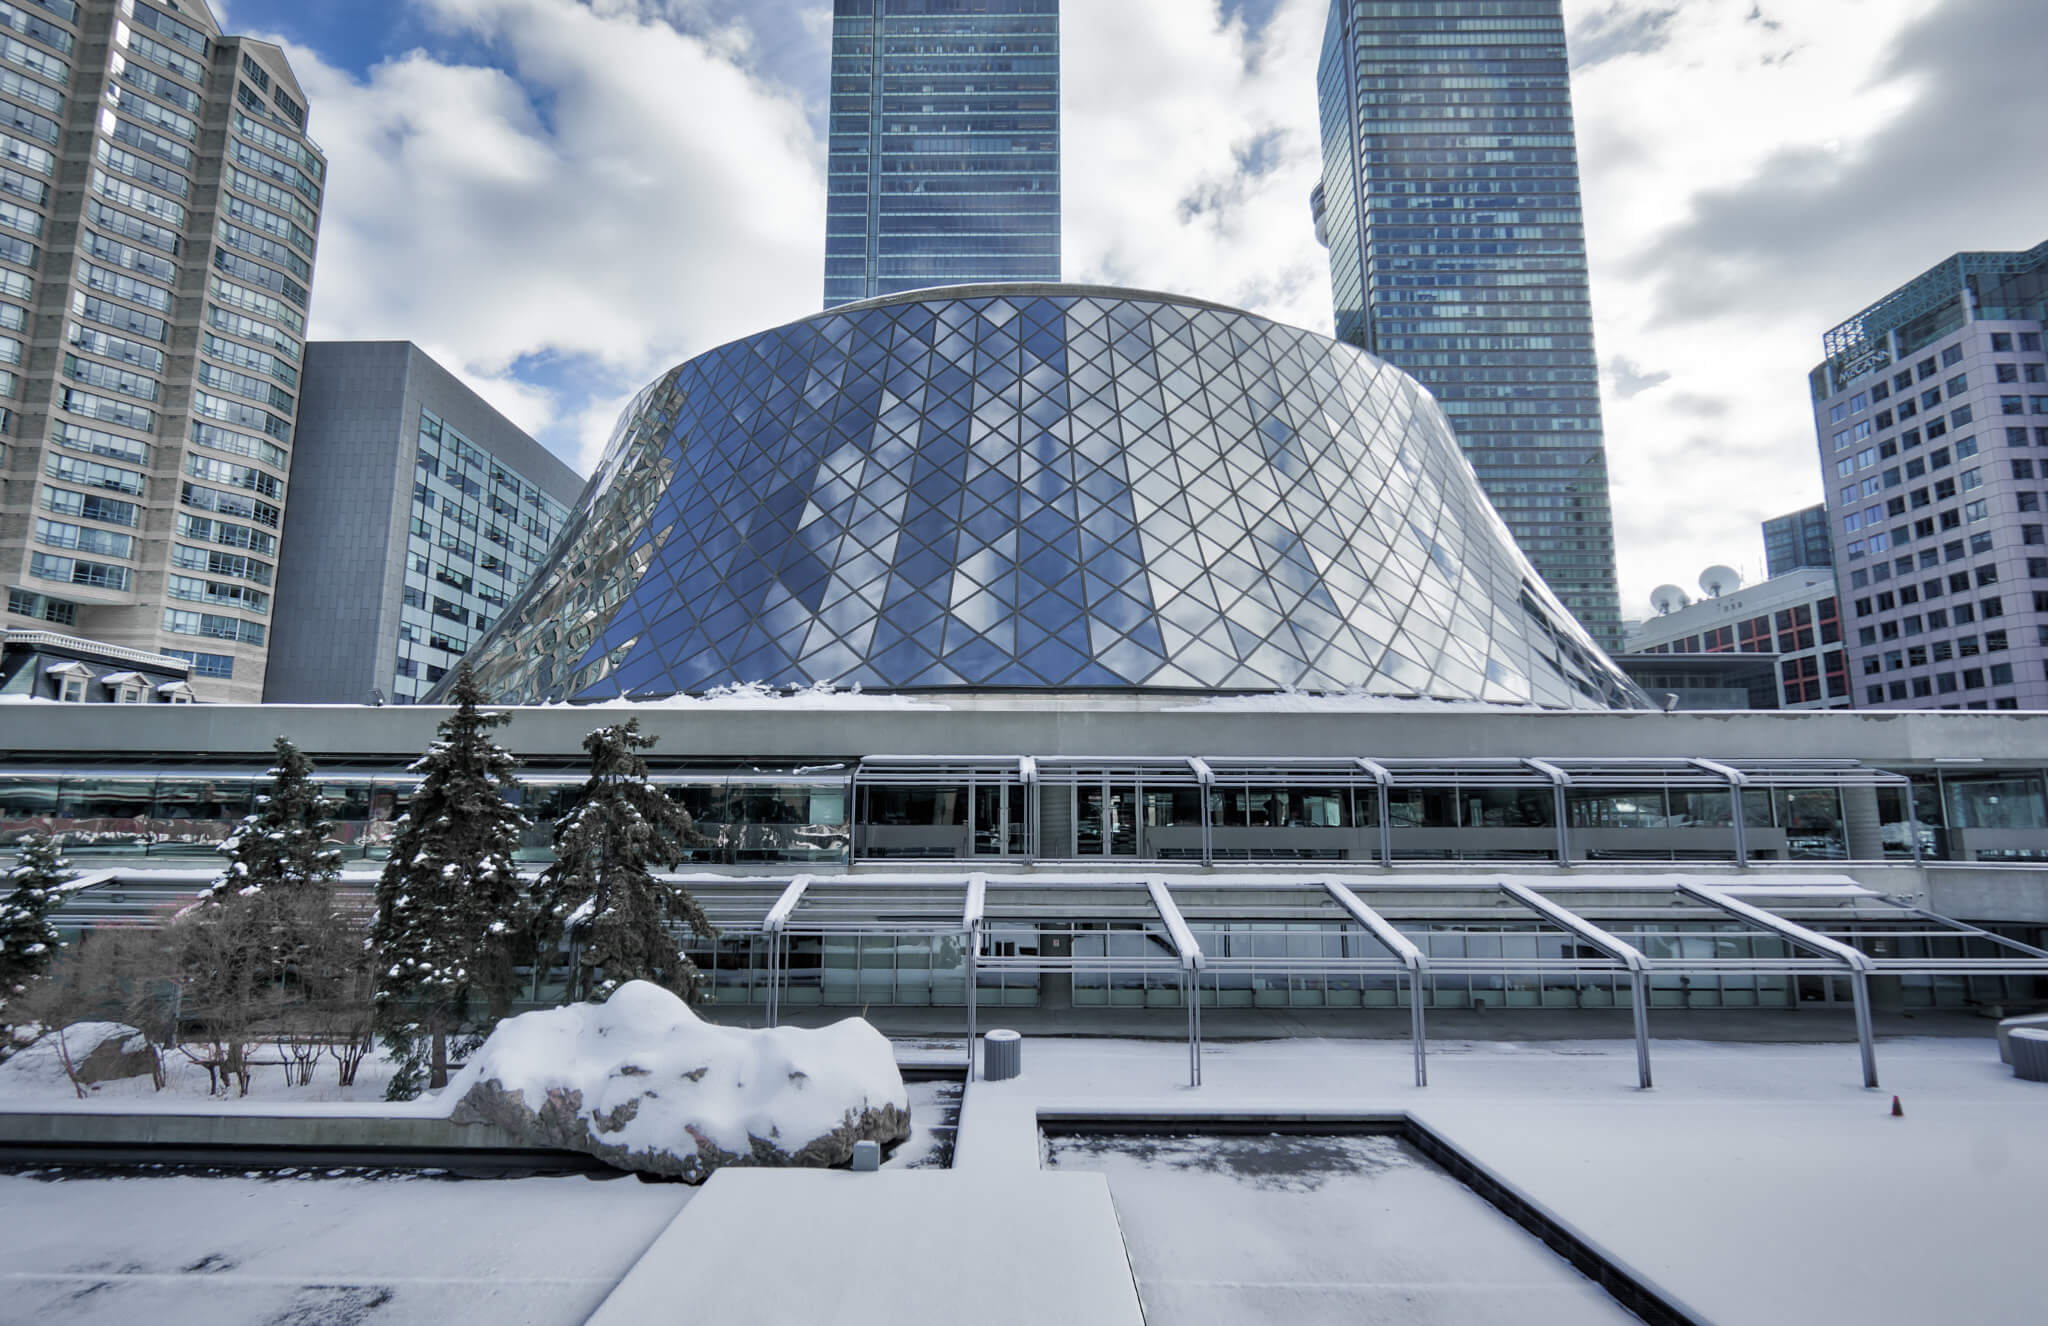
(1817, 923)
(1039, 487)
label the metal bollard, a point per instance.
(1002, 1055)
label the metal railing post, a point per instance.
(1859, 987)
(1639, 987)
(1415, 1027)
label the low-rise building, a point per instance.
(48, 665)
(1790, 622)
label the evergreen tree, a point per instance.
(452, 917)
(601, 891)
(28, 938)
(284, 843)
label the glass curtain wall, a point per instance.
(944, 155)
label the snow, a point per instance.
(38, 1068)
(1316, 1230)
(728, 1085)
(187, 1250)
(759, 695)
(1345, 702)
(34, 1079)
(1755, 1183)
(884, 1249)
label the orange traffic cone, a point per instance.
(1898, 1110)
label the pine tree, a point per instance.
(28, 938)
(452, 916)
(601, 891)
(284, 843)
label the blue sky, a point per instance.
(559, 199)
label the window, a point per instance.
(1975, 511)
(2012, 405)
(2037, 372)
(2001, 343)
(2030, 342)
(2008, 372)
(1952, 356)
(1925, 369)
(2029, 501)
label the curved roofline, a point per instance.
(1033, 290)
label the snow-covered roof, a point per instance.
(123, 679)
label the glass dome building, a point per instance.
(1043, 487)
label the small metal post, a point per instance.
(1415, 1030)
(1741, 830)
(1564, 830)
(1859, 986)
(1386, 826)
(1639, 986)
(973, 1000)
(774, 978)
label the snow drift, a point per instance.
(643, 1083)
(99, 1052)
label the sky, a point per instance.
(560, 199)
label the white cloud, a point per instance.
(627, 196)
(633, 192)
(1165, 104)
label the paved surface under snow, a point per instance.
(1318, 1231)
(1756, 1183)
(306, 1250)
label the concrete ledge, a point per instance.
(267, 1140)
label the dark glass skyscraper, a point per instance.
(945, 145)
(1450, 206)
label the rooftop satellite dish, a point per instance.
(1719, 580)
(1667, 599)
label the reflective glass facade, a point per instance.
(1450, 206)
(1047, 486)
(1798, 540)
(945, 145)
(478, 531)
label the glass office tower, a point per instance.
(945, 145)
(1450, 206)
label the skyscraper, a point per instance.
(157, 229)
(945, 145)
(433, 511)
(1450, 206)
(1797, 540)
(1932, 414)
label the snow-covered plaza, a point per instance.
(1755, 1183)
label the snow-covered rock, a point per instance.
(644, 1083)
(100, 1052)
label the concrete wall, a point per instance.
(1069, 724)
(342, 559)
(341, 572)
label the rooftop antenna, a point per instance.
(1719, 580)
(1667, 599)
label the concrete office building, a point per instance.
(1931, 410)
(1799, 540)
(157, 240)
(944, 163)
(433, 511)
(1450, 206)
(1791, 625)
